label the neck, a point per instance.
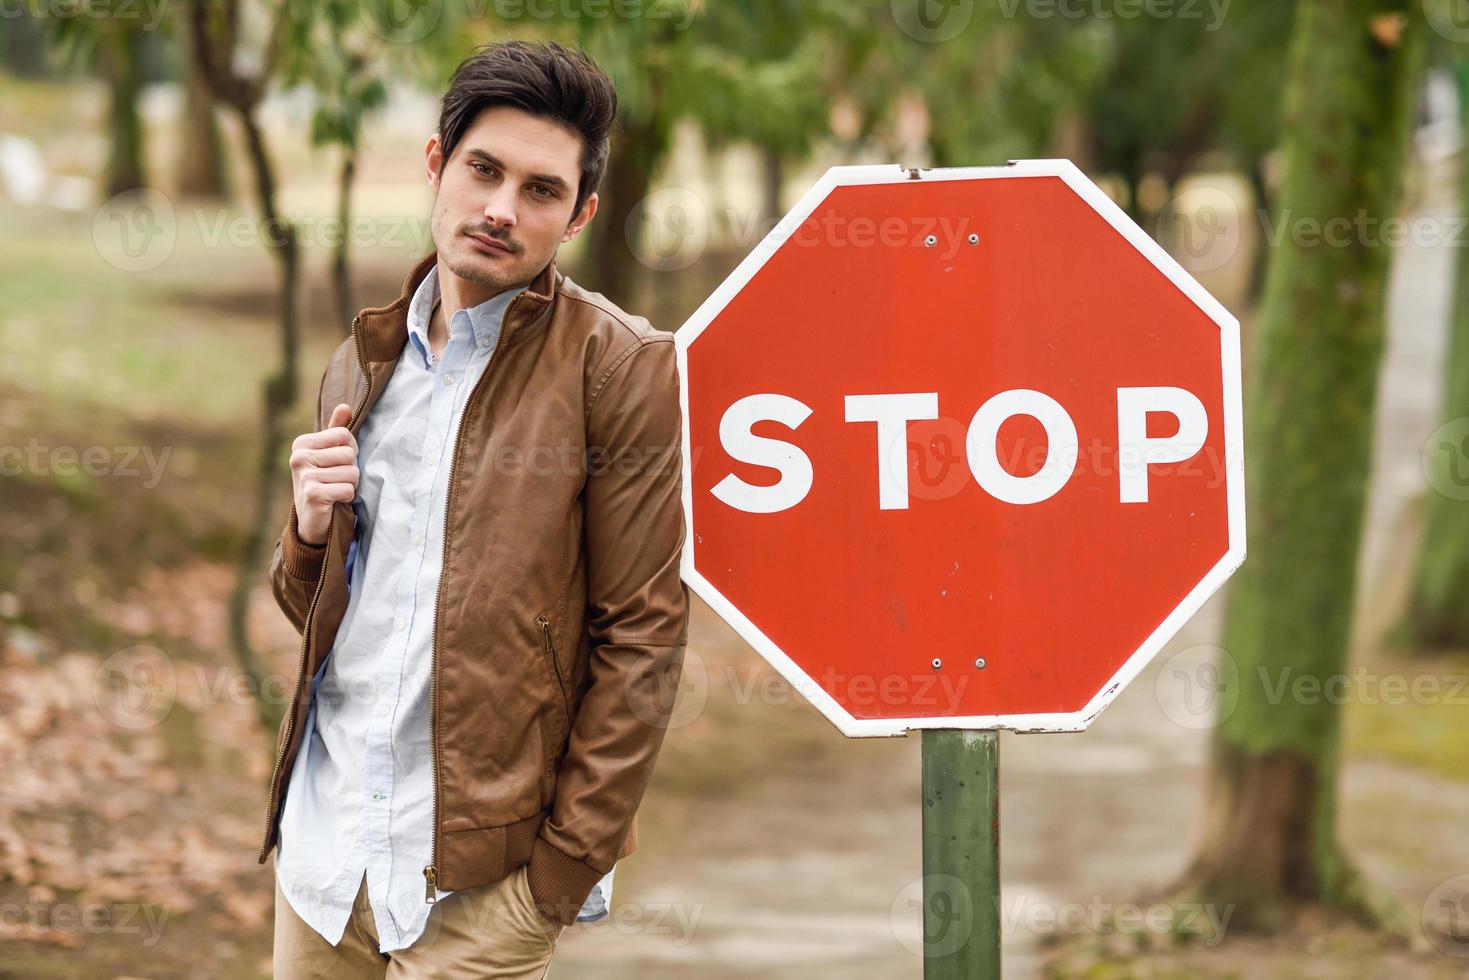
(460, 294)
(455, 294)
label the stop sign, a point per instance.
(962, 448)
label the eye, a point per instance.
(542, 187)
(482, 168)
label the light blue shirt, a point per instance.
(360, 797)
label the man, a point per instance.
(483, 558)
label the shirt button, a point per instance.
(432, 458)
(378, 796)
(418, 539)
(382, 711)
(448, 379)
(400, 623)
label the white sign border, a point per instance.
(1229, 345)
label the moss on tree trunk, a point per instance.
(1270, 838)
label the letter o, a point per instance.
(1062, 447)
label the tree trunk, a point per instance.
(120, 53)
(341, 266)
(611, 267)
(772, 181)
(26, 44)
(1270, 840)
(278, 398)
(213, 55)
(1264, 208)
(1438, 607)
(201, 152)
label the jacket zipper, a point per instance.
(307, 623)
(431, 870)
(550, 647)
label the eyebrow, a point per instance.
(491, 159)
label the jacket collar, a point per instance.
(383, 330)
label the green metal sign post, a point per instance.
(961, 854)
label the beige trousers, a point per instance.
(491, 931)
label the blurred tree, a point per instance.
(1270, 837)
(1437, 614)
(113, 44)
(344, 60)
(1155, 109)
(224, 43)
(1255, 54)
(743, 70)
(768, 75)
(654, 63)
(25, 46)
(201, 161)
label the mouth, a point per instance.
(488, 244)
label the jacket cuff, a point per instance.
(559, 882)
(301, 560)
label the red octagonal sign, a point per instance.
(962, 448)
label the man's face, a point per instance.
(503, 200)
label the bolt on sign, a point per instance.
(962, 448)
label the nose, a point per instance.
(500, 207)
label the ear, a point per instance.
(434, 161)
(588, 208)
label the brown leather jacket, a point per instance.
(561, 618)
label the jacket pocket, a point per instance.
(548, 650)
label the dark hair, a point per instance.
(545, 79)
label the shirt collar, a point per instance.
(484, 319)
